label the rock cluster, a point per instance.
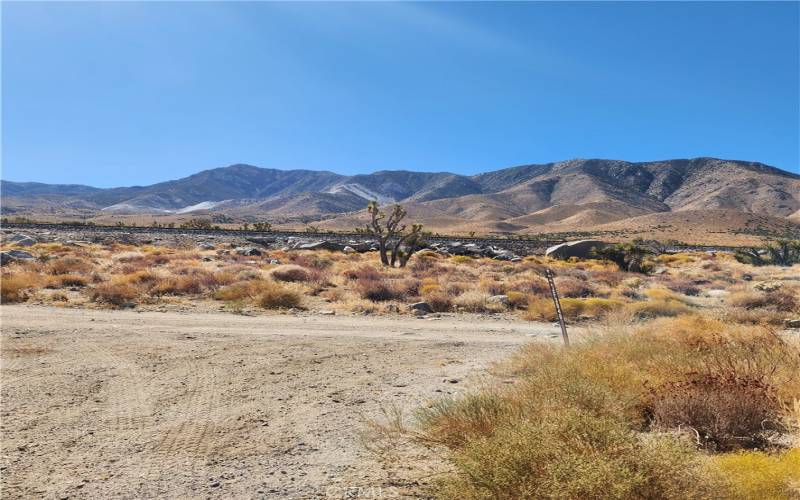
(14, 256)
(353, 246)
(473, 250)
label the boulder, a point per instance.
(205, 246)
(768, 286)
(15, 256)
(421, 307)
(582, 249)
(22, 240)
(348, 249)
(498, 299)
(248, 251)
(321, 245)
(261, 240)
(792, 323)
(503, 255)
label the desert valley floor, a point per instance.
(119, 403)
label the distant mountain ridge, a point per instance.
(589, 191)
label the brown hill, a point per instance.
(569, 196)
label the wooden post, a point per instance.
(557, 303)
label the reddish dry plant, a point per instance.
(291, 273)
(731, 399)
(377, 290)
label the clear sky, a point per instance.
(114, 93)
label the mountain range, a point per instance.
(571, 195)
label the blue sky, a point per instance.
(112, 94)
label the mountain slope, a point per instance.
(575, 193)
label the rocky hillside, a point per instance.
(575, 193)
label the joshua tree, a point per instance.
(780, 253)
(197, 224)
(392, 235)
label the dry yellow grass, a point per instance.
(275, 296)
(587, 410)
(14, 287)
(590, 289)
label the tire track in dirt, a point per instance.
(186, 405)
(195, 430)
(129, 411)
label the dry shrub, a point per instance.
(685, 287)
(732, 389)
(573, 288)
(454, 289)
(756, 474)
(566, 454)
(68, 280)
(114, 293)
(661, 303)
(243, 290)
(312, 260)
(610, 278)
(429, 288)
(243, 275)
(377, 290)
(766, 316)
(781, 300)
(518, 300)
(578, 422)
(363, 273)
(477, 302)
(677, 258)
(461, 259)
(492, 286)
(15, 287)
(186, 281)
(290, 273)
(275, 296)
(424, 263)
(438, 302)
(140, 278)
(409, 287)
(535, 285)
(127, 257)
(177, 285)
(67, 265)
(543, 309)
(725, 411)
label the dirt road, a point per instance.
(99, 404)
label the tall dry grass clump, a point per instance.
(290, 273)
(630, 414)
(15, 287)
(243, 290)
(377, 290)
(276, 296)
(475, 301)
(115, 293)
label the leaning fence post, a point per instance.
(557, 303)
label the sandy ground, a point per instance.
(99, 404)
